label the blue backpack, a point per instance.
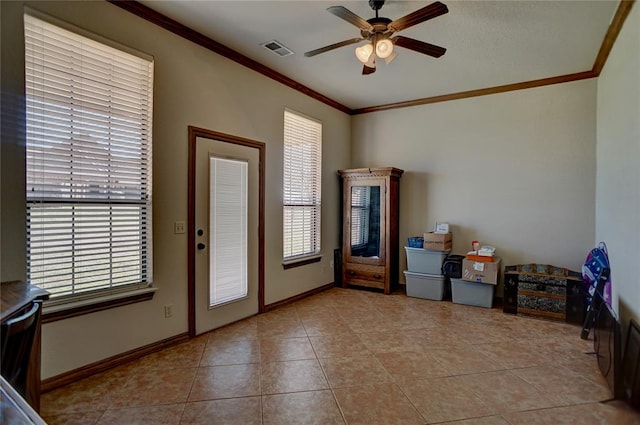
(597, 260)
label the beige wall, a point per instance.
(618, 167)
(192, 87)
(513, 170)
(12, 156)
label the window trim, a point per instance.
(52, 311)
(84, 33)
(299, 261)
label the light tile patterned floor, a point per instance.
(356, 357)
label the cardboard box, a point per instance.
(438, 241)
(476, 271)
(481, 258)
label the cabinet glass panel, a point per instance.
(365, 221)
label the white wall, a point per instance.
(514, 170)
(618, 166)
(192, 87)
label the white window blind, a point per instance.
(228, 197)
(88, 113)
(302, 185)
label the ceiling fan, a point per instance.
(378, 33)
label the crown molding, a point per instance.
(177, 28)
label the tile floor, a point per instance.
(356, 357)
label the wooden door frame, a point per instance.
(194, 134)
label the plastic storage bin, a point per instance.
(422, 285)
(425, 261)
(471, 293)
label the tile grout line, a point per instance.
(326, 377)
(563, 347)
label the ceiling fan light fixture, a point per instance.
(391, 57)
(384, 48)
(371, 63)
(363, 53)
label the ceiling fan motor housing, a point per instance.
(376, 4)
(379, 26)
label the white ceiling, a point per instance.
(489, 43)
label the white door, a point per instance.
(226, 232)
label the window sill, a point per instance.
(297, 262)
(53, 313)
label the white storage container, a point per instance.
(472, 293)
(421, 260)
(422, 285)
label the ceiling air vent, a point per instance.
(277, 48)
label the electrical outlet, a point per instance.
(178, 227)
(168, 310)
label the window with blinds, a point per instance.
(88, 168)
(302, 185)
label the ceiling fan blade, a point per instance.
(428, 12)
(419, 46)
(333, 46)
(366, 70)
(344, 13)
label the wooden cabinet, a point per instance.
(370, 227)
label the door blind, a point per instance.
(88, 113)
(302, 185)
(228, 197)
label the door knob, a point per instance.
(201, 245)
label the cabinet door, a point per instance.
(365, 221)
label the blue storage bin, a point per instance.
(416, 242)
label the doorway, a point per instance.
(226, 229)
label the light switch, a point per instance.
(178, 227)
